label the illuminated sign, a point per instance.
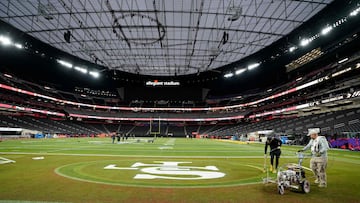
(341, 72)
(162, 83)
(332, 99)
(354, 94)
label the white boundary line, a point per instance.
(6, 161)
(116, 155)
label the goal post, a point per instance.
(155, 126)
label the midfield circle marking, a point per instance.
(163, 174)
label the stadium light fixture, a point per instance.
(94, 74)
(293, 48)
(304, 42)
(65, 63)
(339, 22)
(5, 40)
(326, 30)
(252, 66)
(237, 72)
(355, 12)
(228, 75)
(19, 46)
(81, 69)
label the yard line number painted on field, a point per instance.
(170, 170)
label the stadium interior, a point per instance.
(70, 70)
(179, 101)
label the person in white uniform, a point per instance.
(318, 163)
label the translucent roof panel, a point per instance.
(159, 37)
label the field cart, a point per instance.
(291, 176)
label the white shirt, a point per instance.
(319, 146)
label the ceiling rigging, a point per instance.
(159, 37)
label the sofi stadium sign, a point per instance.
(162, 83)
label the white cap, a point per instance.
(313, 131)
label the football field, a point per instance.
(167, 170)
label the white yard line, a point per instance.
(146, 156)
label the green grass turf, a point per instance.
(73, 171)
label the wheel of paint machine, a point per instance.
(281, 189)
(305, 186)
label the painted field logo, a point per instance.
(170, 170)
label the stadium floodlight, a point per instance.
(293, 48)
(5, 40)
(94, 74)
(228, 75)
(339, 22)
(65, 63)
(326, 30)
(252, 66)
(304, 42)
(237, 72)
(83, 70)
(355, 12)
(19, 46)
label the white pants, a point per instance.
(318, 166)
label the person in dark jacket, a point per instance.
(275, 151)
(113, 138)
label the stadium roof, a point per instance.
(159, 37)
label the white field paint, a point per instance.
(165, 147)
(171, 170)
(6, 161)
(140, 156)
(137, 166)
